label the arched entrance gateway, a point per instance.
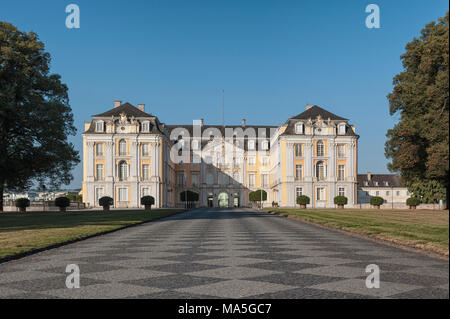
(223, 199)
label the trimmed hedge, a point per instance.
(256, 196)
(303, 200)
(62, 202)
(340, 200)
(106, 201)
(376, 201)
(413, 201)
(22, 202)
(148, 200)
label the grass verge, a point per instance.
(424, 229)
(24, 232)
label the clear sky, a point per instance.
(270, 57)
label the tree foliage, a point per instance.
(340, 200)
(189, 196)
(376, 201)
(429, 191)
(148, 200)
(35, 115)
(106, 201)
(257, 196)
(303, 200)
(413, 201)
(62, 201)
(419, 143)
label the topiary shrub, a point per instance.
(22, 204)
(340, 201)
(376, 201)
(303, 200)
(148, 201)
(413, 202)
(106, 202)
(62, 203)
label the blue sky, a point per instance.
(270, 57)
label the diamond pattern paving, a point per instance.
(229, 253)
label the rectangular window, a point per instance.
(99, 149)
(194, 179)
(251, 161)
(145, 149)
(145, 172)
(320, 193)
(298, 150)
(251, 179)
(298, 172)
(99, 169)
(398, 193)
(210, 178)
(123, 194)
(341, 150)
(377, 193)
(341, 191)
(145, 127)
(265, 180)
(99, 126)
(145, 192)
(98, 194)
(265, 161)
(388, 193)
(298, 192)
(251, 145)
(341, 172)
(180, 179)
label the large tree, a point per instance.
(419, 143)
(35, 116)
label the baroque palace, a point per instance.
(128, 153)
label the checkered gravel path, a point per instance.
(231, 253)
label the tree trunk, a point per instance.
(1, 197)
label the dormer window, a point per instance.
(251, 145)
(299, 128)
(265, 145)
(341, 129)
(99, 126)
(376, 183)
(146, 126)
(386, 183)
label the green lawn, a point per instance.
(426, 229)
(21, 232)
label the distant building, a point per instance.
(388, 186)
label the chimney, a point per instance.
(308, 106)
(369, 176)
(201, 122)
(141, 107)
(243, 122)
(117, 103)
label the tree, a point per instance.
(148, 201)
(106, 202)
(35, 116)
(428, 191)
(303, 200)
(75, 197)
(376, 201)
(22, 204)
(62, 202)
(340, 201)
(258, 196)
(412, 202)
(419, 143)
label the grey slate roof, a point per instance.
(126, 108)
(378, 180)
(314, 111)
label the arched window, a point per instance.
(320, 171)
(123, 171)
(122, 147)
(320, 151)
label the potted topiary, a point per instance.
(62, 202)
(376, 201)
(302, 200)
(22, 204)
(340, 201)
(148, 201)
(413, 202)
(105, 202)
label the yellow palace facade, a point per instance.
(128, 153)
